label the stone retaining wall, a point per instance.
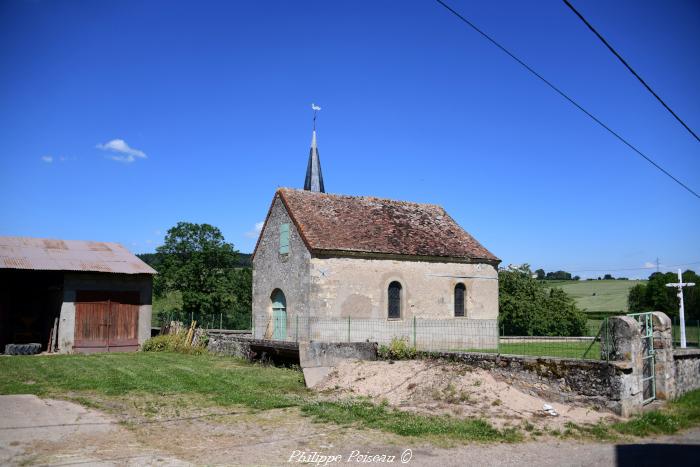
(229, 343)
(590, 383)
(687, 370)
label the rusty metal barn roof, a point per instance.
(69, 255)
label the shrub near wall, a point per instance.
(176, 342)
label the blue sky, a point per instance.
(209, 104)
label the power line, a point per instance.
(561, 93)
(624, 62)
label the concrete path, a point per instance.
(28, 422)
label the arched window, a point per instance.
(394, 300)
(459, 299)
(279, 315)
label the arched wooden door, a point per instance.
(279, 315)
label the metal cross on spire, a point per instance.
(314, 177)
(679, 285)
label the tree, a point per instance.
(527, 308)
(199, 263)
(540, 274)
(636, 298)
(608, 277)
(655, 296)
(559, 276)
(240, 315)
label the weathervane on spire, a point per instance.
(315, 108)
(314, 177)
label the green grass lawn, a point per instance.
(609, 295)
(223, 381)
(220, 381)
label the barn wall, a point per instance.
(271, 270)
(73, 282)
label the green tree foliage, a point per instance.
(655, 296)
(196, 261)
(526, 308)
(540, 274)
(241, 313)
(558, 276)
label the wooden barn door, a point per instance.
(106, 321)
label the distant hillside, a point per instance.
(154, 260)
(597, 295)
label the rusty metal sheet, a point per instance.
(69, 255)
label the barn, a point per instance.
(96, 295)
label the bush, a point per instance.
(398, 349)
(174, 343)
(526, 308)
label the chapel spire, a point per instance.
(314, 177)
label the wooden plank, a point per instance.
(91, 324)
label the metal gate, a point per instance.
(648, 356)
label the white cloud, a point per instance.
(256, 230)
(124, 152)
(47, 159)
(649, 265)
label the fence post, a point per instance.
(414, 332)
(498, 339)
(297, 328)
(607, 340)
(348, 329)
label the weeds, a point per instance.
(398, 349)
(176, 342)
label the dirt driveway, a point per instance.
(36, 431)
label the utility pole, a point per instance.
(657, 264)
(679, 285)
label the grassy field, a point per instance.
(598, 295)
(552, 349)
(223, 381)
(545, 349)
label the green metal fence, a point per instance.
(445, 335)
(692, 332)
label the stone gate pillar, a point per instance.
(664, 369)
(622, 346)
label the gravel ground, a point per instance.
(36, 431)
